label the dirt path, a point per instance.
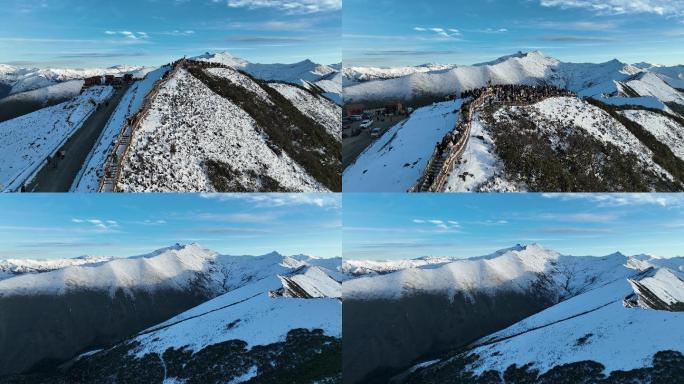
(77, 148)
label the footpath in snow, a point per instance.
(395, 161)
(91, 173)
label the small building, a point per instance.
(109, 79)
(354, 109)
(92, 81)
(128, 77)
(395, 107)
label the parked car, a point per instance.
(356, 117)
(366, 124)
(375, 132)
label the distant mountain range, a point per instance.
(305, 73)
(615, 127)
(218, 123)
(180, 313)
(605, 80)
(523, 312)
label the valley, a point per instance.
(571, 309)
(181, 306)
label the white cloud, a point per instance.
(621, 199)
(238, 217)
(129, 35)
(177, 32)
(440, 225)
(289, 6)
(321, 200)
(618, 7)
(441, 33)
(100, 225)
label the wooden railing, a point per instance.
(115, 161)
(435, 183)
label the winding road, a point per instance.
(77, 148)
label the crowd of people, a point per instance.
(518, 93)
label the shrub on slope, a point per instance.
(303, 139)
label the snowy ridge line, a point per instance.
(156, 329)
(504, 338)
(495, 95)
(34, 172)
(148, 331)
(127, 133)
(473, 346)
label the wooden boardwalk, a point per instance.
(441, 163)
(116, 159)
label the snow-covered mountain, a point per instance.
(533, 143)
(395, 161)
(14, 267)
(355, 75)
(570, 308)
(304, 73)
(604, 80)
(214, 128)
(630, 329)
(29, 79)
(177, 306)
(513, 269)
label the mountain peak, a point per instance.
(273, 254)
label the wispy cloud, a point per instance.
(176, 32)
(288, 6)
(321, 200)
(621, 199)
(444, 33)
(80, 55)
(492, 30)
(619, 7)
(579, 25)
(441, 225)
(129, 35)
(575, 230)
(409, 52)
(231, 230)
(580, 217)
(272, 25)
(238, 217)
(571, 38)
(265, 39)
(104, 225)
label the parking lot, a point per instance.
(354, 145)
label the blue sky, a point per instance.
(80, 33)
(392, 33)
(402, 226)
(68, 225)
